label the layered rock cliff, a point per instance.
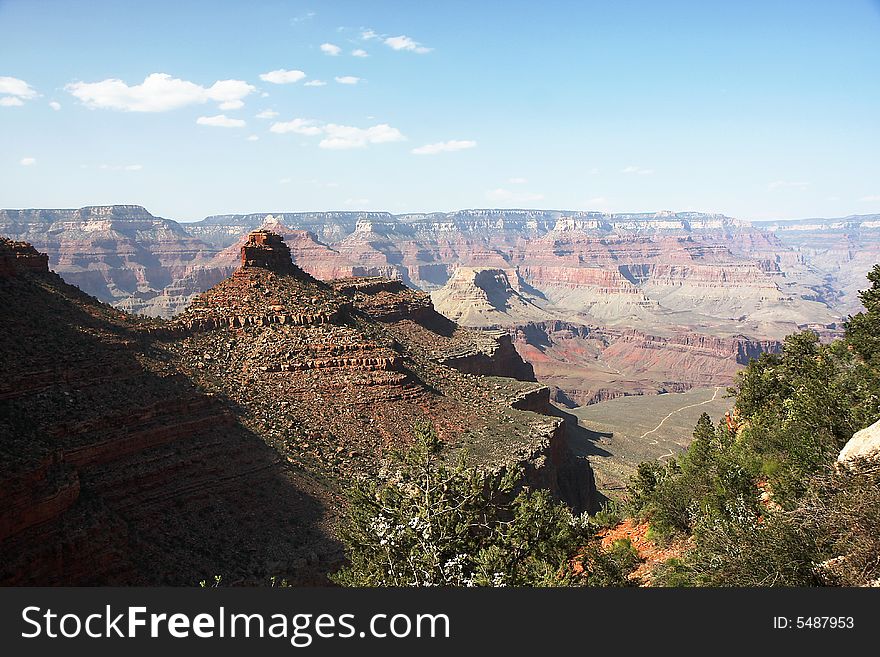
(637, 269)
(588, 364)
(117, 253)
(664, 274)
(143, 451)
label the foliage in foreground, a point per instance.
(759, 501)
(762, 501)
(432, 523)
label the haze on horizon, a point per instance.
(757, 110)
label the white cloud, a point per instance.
(231, 105)
(159, 92)
(403, 42)
(220, 121)
(27, 161)
(55, 105)
(340, 137)
(304, 17)
(253, 138)
(873, 198)
(330, 49)
(786, 184)
(638, 170)
(14, 87)
(315, 83)
(360, 52)
(13, 92)
(506, 195)
(267, 114)
(347, 79)
(282, 76)
(299, 126)
(132, 167)
(517, 181)
(366, 35)
(285, 181)
(444, 147)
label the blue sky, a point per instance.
(758, 110)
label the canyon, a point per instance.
(138, 450)
(650, 302)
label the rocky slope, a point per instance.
(842, 251)
(648, 269)
(489, 297)
(589, 364)
(144, 451)
(665, 275)
(120, 254)
(117, 469)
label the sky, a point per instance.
(763, 109)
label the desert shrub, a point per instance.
(609, 567)
(611, 514)
(742, 547)
(432, 522)
(816, 523)
(843, 509)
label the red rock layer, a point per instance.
(591, 364)
(115, 469)
(18, 257)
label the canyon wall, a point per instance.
(141, 451)
(588, 364)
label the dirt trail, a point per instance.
(678, 410)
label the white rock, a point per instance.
(863, 444)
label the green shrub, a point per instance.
(433, 523)
(816, 524)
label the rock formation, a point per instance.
(16, 257)
(141, 451)
(476, 296)
(266, 249)
(865, 444)
(665, 275)
(588, 364)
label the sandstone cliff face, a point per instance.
(114, 253)
(477, 296)
(840, 251)
(118, 470)
(643, 270)
(17, 257)
(589, 364)
(138, 451)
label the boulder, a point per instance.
(863, 444)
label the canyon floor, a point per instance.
(616, 435)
